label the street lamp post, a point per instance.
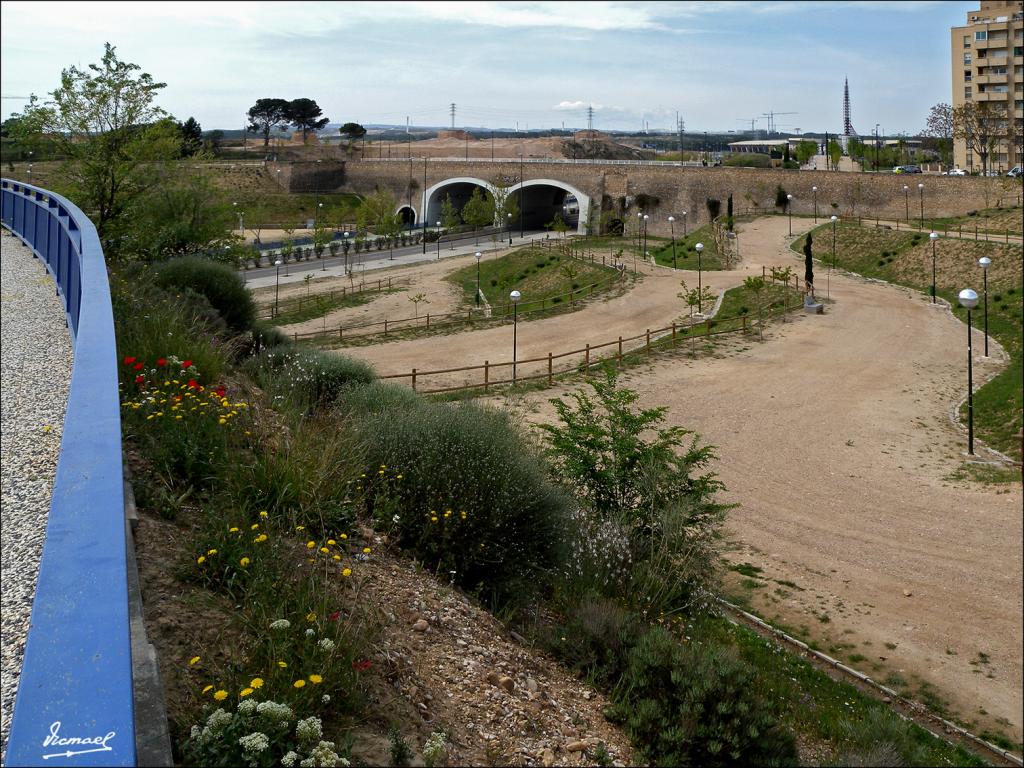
(439, 241)
(789, 208)
(317, 243)
(277, 283)
(985, 262)
(672, 226)
(684, 225)
(814, 191)
(423, 213)
(700, 291)
(906, 203)
(828, 279)
(241, 220)
(344, 248)
(522, 195)
(933, 237)
(646, 217)
(920, 188)
(509, 217)
(515, 296)
(478, 257)
(639, 227)
(969, 300)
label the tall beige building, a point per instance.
(988, 66)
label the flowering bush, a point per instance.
(262, 733)
(182, 420)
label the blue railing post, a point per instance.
(75, 697)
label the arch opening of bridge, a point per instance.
(407, 215)
(538, 199)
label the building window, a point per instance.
(967, 91)
(967, 58)
(981, 35)
(967, 75)
(1000, 88)
(1018, 50)
(967, 41)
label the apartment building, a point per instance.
(988, 66)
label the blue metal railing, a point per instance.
(75, 699)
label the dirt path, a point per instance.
(836, 442)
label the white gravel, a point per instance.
(35, 371)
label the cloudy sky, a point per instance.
(540, 64)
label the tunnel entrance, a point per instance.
(407, 216)
(542, 199)
(460, 190)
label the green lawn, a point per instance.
(686, 251)
(537, 273)
(303, 309)
(905, 258)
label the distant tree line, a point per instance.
(267, 115)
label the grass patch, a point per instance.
(539, 274)
(686, 251)
(746, 569)
(905, 258)
(311, 307)
(990, 220)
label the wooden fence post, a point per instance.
(487, 373)
(744, 323)
(673, 335)
(385, 326)
(413, 379)
(648, 343)
(378, 286)
(620, 349)
(549, 369)
(764, 272)
(295, 335)
(340, 332)
(389, 283)
(586, 361)
(428, 319)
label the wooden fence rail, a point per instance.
(291, 304)
(653, 339)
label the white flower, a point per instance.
(218, 720)
(326, 644)
(325, 699)
(289, 759)
(280, 624)
(309, 730)
(254, 742)
(277, 713)
(310, 633)
(247, 707)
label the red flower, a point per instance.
(220, 391)
(362, 666)
(129, 360)
(187, 364)
(139, 379)
(192, 384)
(335, 616)
(177, 398)
(161, 362)
(139, 366)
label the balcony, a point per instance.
(991, 79)
(992, 96)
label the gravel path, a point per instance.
(35, 368)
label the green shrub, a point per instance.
(265, 335)
(882, 738)
(694, 705)
(379, 397)
(308, 378)
(474, 500)
(595, 640)
(219, 283)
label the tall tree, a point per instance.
(191, 137)
(449, 216)
(809, 264)
(105, 122)
(304, 114)
(981, 126)
(478, 211)
(266, 115)
(938, 132)
(352, 131)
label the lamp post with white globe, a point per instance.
(700, 249)
(969, 300)
(814, 191)
(985, 262)
(789, 208)
(828, 279)
(515, 296)
(672, 225)
(933, 237)
(478, 257)
(277, 283)
(920, 188)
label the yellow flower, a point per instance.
(245, 692)
(194, 660)
(337, 557)
(325, 550)
(256, 682)
(462, 515)
(310, 544)
(399, 477)
(282, 664)
(367, 550)
(332, 542)
(244, 561)
(254, 526)
(264, 514)
(344, 535)
(433, 519)
(178, 417)
(201, 559)
(222, 420)
(207, 688)
(212, 552)
(299, 683)
(220, 695)
(315, 679)
(300, 527)
(310, 616)
(347, 572)
(233, 529)
(261, 538)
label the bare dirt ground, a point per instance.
(835, 440)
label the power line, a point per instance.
(452, 108)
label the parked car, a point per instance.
(906, 169)
(955, 172)
(1015, 173)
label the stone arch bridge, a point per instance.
(581, 191)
